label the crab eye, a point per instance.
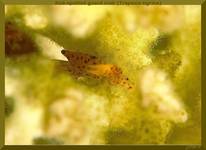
(63, 51)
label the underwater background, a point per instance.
(126, 75)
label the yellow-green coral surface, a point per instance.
(157, 47)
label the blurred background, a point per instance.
(158, 47)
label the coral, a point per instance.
(17, 42)
(9, 106)
(158, 52)
(46, 140)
